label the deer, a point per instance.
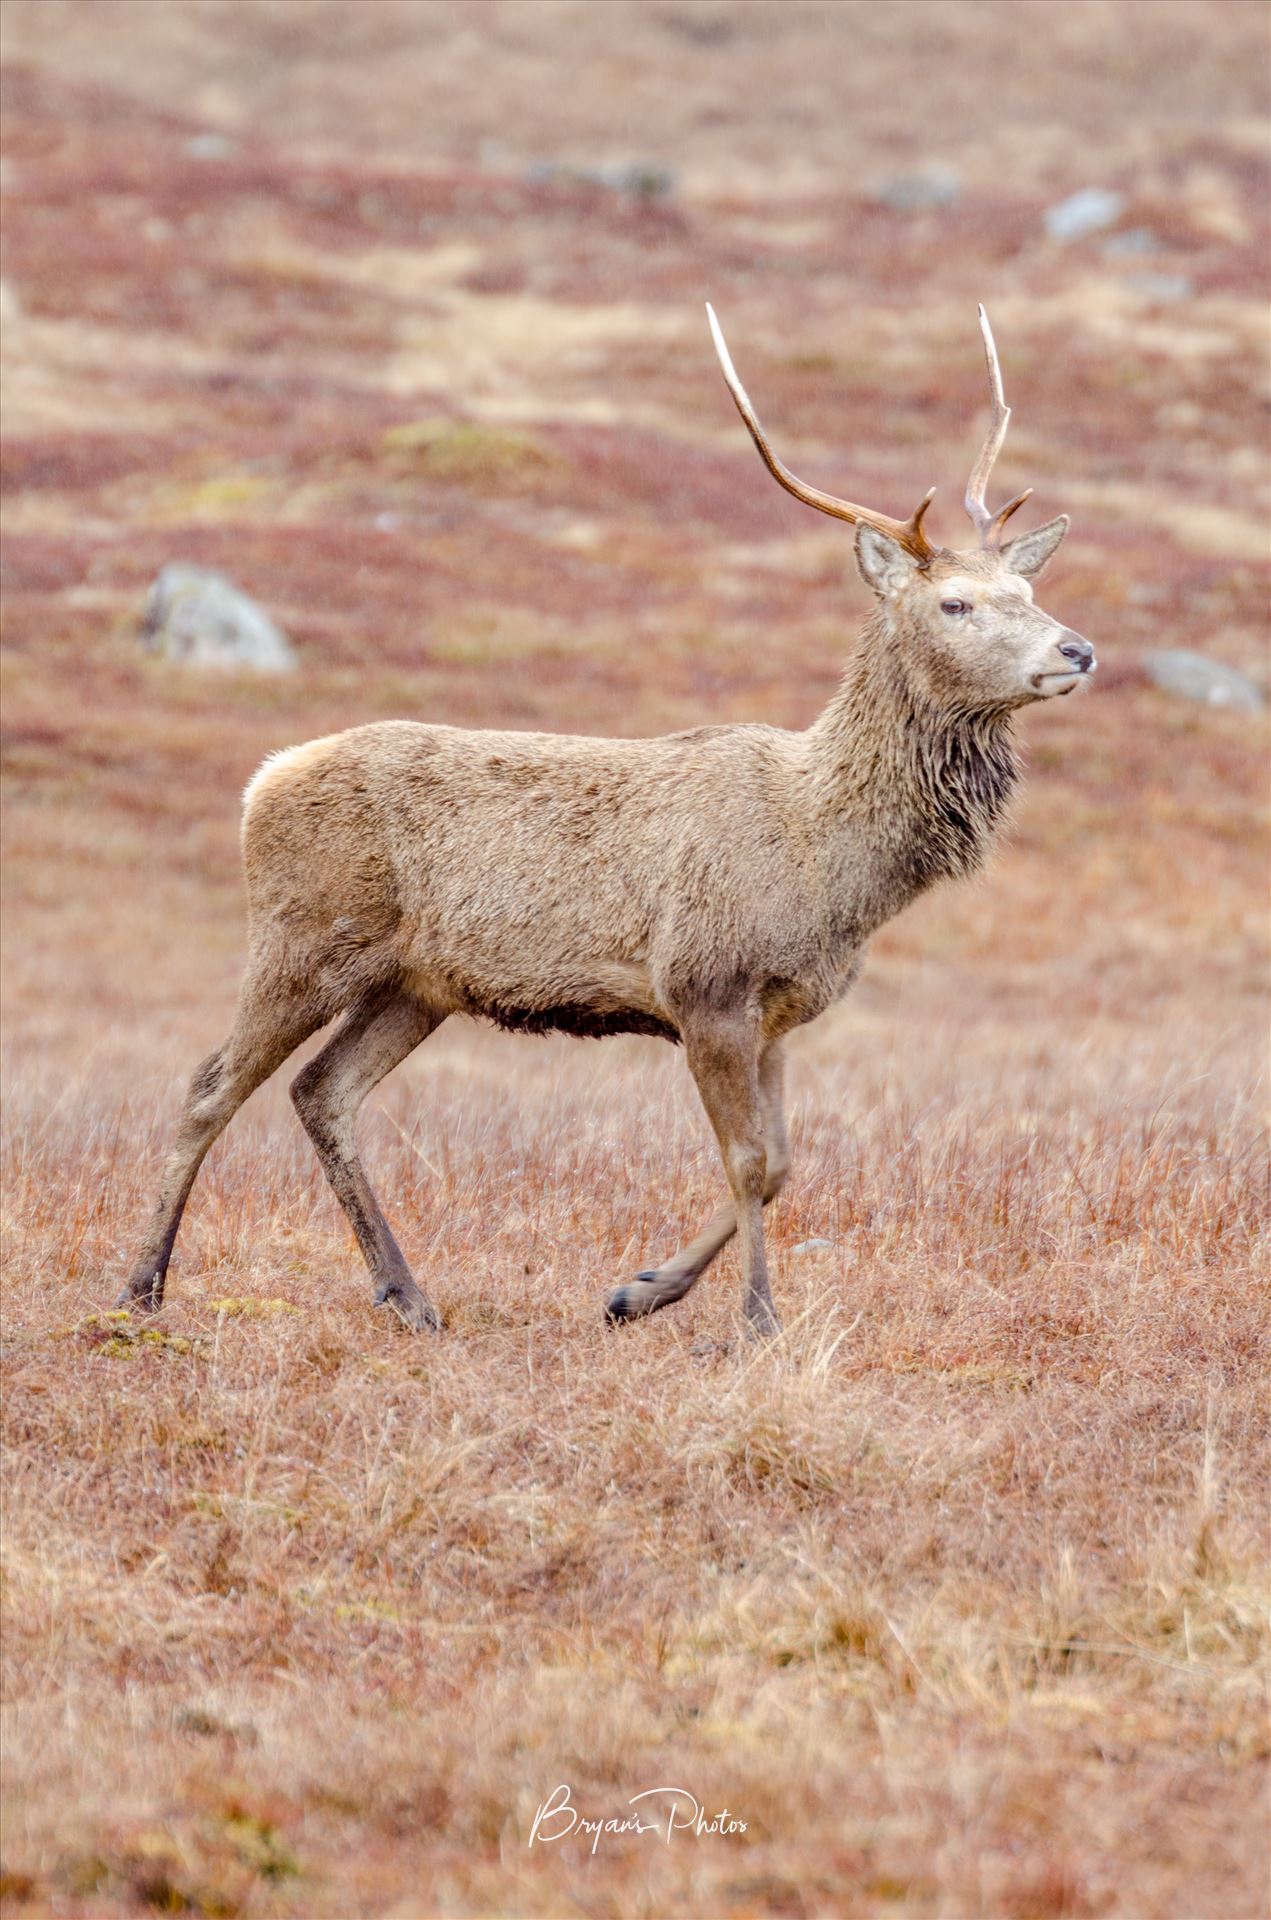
(715, 887)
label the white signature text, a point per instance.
(662, 1811)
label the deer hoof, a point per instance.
(143, 1296)
(762, 1322)
(411, 1309)
(629, 1302)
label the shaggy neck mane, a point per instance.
(935, 778)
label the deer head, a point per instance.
(965, 622)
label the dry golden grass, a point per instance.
(956, 1596)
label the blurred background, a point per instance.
(391, 313)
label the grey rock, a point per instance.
(649, 179)
(1161, 287)
(211, 146)
(201, 619)
(1088, 211)
(701, 32)
(812, 1246)
(1194, 677)
(911, 192)
(1130, 244)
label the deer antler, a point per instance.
(908, 533)
(989, 525)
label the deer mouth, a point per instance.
(1063, 680)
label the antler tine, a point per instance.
(908, 533)
(989, 525)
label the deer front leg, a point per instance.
(741, 1092)
(661, 1286)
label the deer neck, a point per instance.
(917, 786)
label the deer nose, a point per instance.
(1079, 651)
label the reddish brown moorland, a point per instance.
(956, 1597)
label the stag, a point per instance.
(715, 887)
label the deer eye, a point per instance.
(954, 606)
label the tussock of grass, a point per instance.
(465, 450)
(250, 1309)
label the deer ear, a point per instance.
(885, 566)
(1029, 553)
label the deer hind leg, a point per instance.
(660, 1286)
(375, 1037)
(273, 1017)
